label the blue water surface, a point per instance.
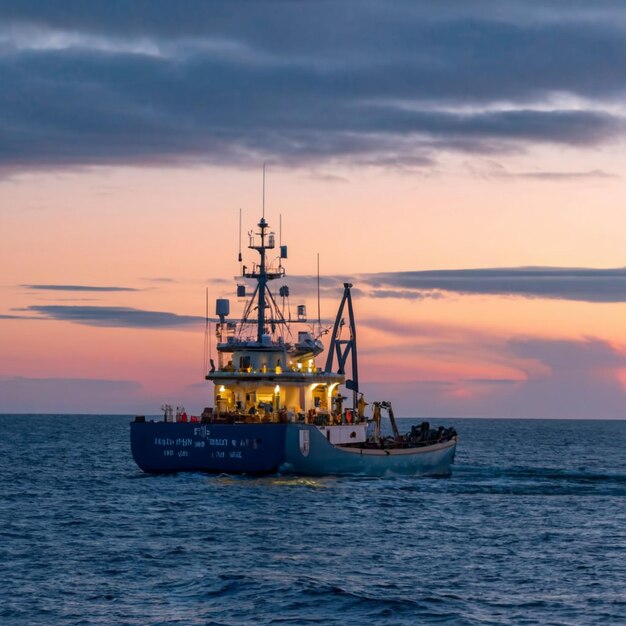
(529, 529)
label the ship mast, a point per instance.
(261, 273)
(262, 278)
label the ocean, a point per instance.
(530, 528)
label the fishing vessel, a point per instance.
(274, 408)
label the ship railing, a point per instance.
(271, 370)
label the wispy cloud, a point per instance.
(113, 316)
(14, 317)
(568, 176)
(158, 279)
(405, 294)
(491, 169)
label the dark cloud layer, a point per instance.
(580, 284)
(76, 288)
(584, 284)
(162, 82)
(113, 316)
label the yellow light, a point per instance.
(277, 389)
(222, 389)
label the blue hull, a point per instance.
(318, 457)
(160, 447)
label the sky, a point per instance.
(460, 163)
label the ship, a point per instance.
(274, 409)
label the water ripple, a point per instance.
(529, 529)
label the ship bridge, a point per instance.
(264, 372)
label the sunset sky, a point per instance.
(461, 163)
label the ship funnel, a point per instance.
(222, 308)
(241, 291)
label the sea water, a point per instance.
(530, 528)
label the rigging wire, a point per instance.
(319, 316)
(207, 349)
(240, 257)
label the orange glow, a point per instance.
(169, 233)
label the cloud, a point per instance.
(302, 286)
(405, 294)
(580, 284)
(159, 280)
(559, 378)
(584, 379)
(577, 284)
(21, 394)
(493, 169)
(112, 316)
(76, 288)
(219, 281)
(567, 176)
(566, 357)
(438, 352)
(301, 83)
(492, 381)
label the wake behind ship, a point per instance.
(273, 408)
